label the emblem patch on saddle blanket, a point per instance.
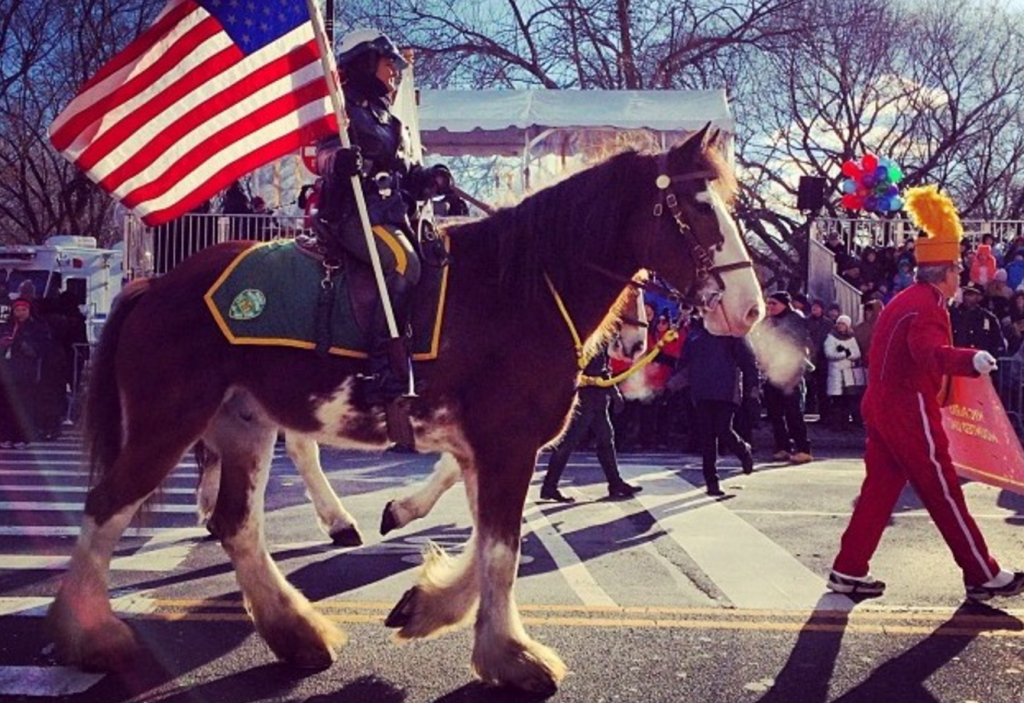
(268, 296)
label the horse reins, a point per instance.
(582, 379)
(703, 257)
(704, 268)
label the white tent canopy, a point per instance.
(507, 122)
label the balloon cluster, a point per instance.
(872, 185)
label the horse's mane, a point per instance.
(573, 221)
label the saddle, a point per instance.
(270, 293)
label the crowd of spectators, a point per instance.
(988, 314)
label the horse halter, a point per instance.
(703, 253)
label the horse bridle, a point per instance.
(703, 253)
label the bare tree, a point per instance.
(41, 194)
(941, 98)
(579, 43)
(936, 88)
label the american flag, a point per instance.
(210, 92)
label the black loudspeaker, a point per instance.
(811, 193)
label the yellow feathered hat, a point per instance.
(934, 213)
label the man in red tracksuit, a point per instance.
(911, 354)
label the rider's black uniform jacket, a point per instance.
(392, 183)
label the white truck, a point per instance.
(66, 263)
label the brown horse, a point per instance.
(628, 343)
(524, 283)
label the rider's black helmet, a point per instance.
(360, 42)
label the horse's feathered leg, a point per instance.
(84, 628)
(447, 591)
(337, 522)
(244, 437)
(399, 513)
(82, 623)
(502, 652)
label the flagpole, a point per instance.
(338, 103)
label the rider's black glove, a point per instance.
(443, 181)
(348, 162)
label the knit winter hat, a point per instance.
(21, 303)
(844, 320)
(934, 213)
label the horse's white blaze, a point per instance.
(742, 291)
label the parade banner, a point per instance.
(982, 441)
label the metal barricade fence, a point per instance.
(153, 251)
(80, 360)
(1010, 386)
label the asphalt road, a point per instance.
(670, 596)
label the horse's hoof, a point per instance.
(347, 537)
(314, 660)
(111, 647)
(528, 666)
(387, 520)
(401, 614)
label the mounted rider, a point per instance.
(370, 67)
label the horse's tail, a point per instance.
(103, 422)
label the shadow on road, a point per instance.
(903, 678)
(808, 671)
(477, 692)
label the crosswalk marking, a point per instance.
(73, 530)
(49, 681)
(751, 570)
(42, 506)
(165, 551)
(569, 564)
(50, 488)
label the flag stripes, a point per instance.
(185, 109)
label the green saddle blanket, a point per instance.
(268, 296)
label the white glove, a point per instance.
(984, 363)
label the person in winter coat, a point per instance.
(24, 342)
(818, 327)
(1015, 270)
(783, 399)
(976, 327)
(904, 277)
(843, 355)
(865, 329)
(726, 367)
(591, 413)
(999, 294)
(984, 265)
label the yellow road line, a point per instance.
(906, 622)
